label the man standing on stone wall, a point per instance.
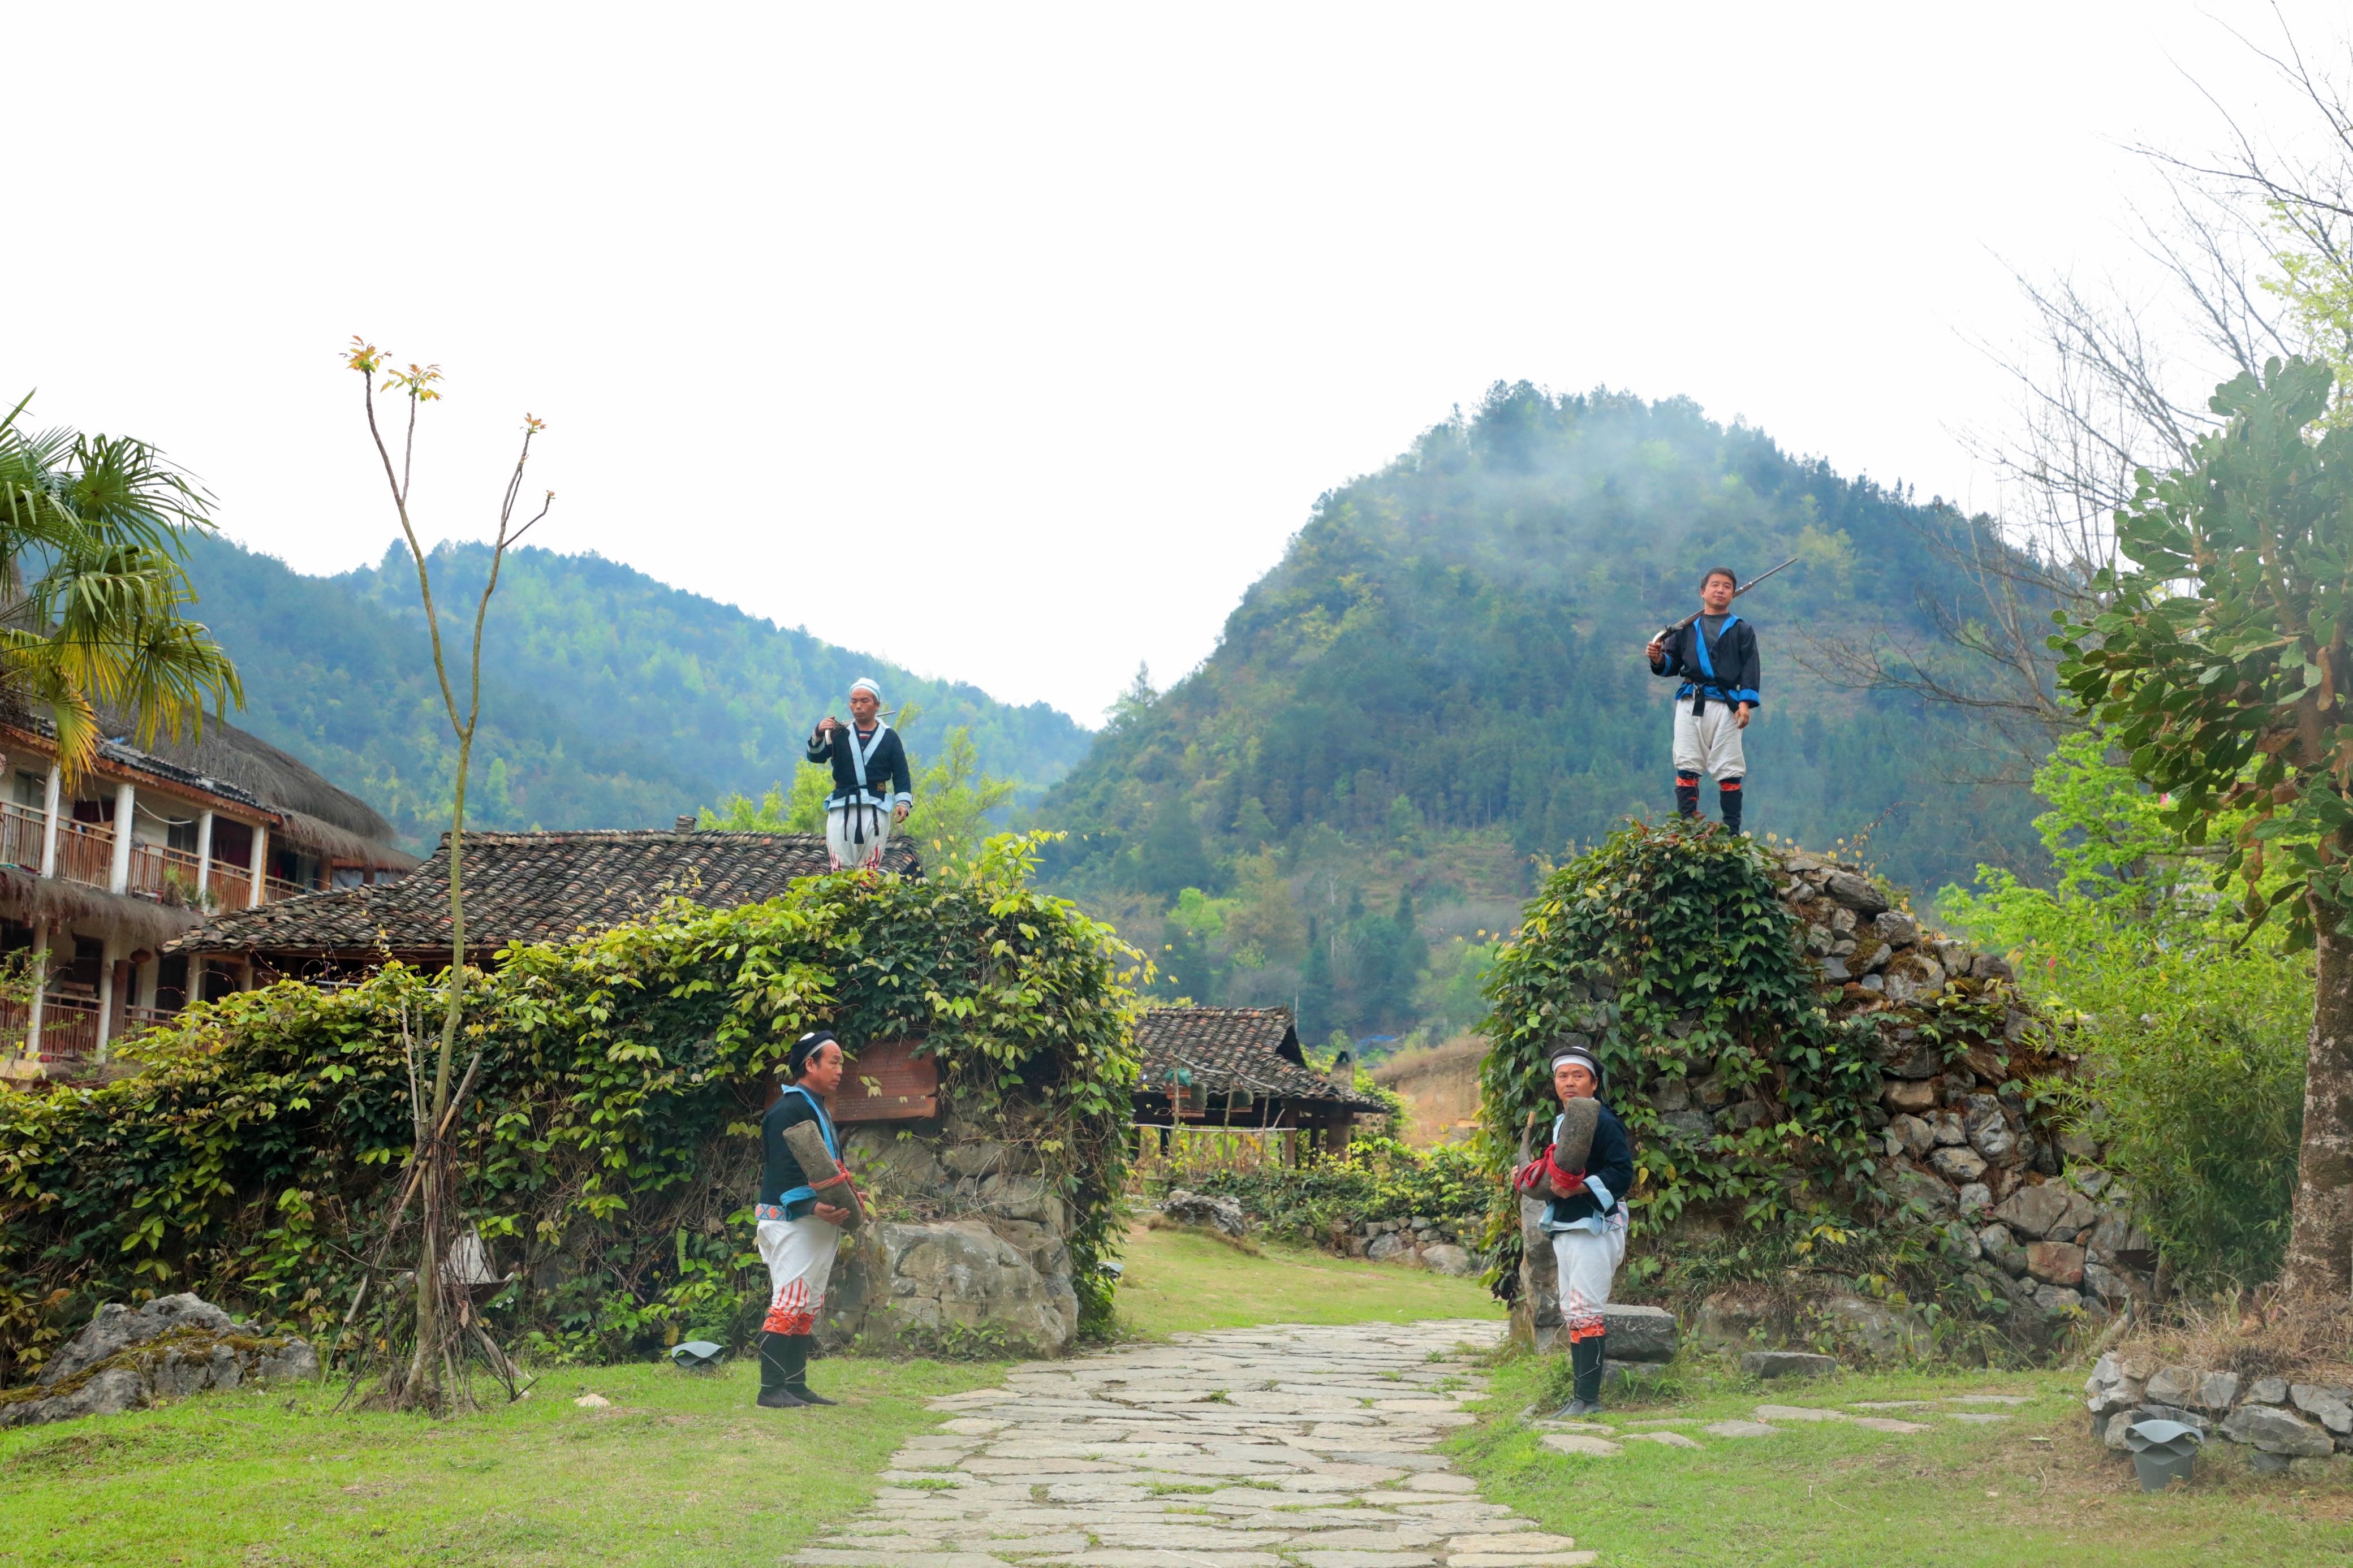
(1714, 655)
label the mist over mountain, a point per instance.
(1443, 683)
(610, 700)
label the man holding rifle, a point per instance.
(1714, 655)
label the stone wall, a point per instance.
(2285, 1425)
(2024, 1208)
(1445, 1246)
(968, 1248)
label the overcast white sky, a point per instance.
(1011, 342)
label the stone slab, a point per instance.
(1800, 1413)
(1499, 1560)
(1579, 1443)
(1739, 1430)
(1521, 1544)
(1672, 1439)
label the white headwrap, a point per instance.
(863, 684)
(1582, 1057)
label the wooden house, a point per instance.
(98, 877)
(1239, 1067)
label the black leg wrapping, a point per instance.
(1728, 794)
(798, 1383)
(1686, 794)
(779, 1368)
(1588, 1356)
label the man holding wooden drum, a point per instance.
(1585, 1175)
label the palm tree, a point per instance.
(92, 589)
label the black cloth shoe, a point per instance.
(1727, 796)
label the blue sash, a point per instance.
(832, 1146)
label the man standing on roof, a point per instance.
(870, 779)
(1714, 657)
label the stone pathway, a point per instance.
(1279, 1446)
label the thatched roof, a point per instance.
(529, 887)
(1225, 1050)
(318, 815)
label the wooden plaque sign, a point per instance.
(886, 1082)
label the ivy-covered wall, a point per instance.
(609, 1140)
(1794, 1055)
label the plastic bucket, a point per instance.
(2163, 1452)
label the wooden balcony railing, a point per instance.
(86, 852)
(68, 1027)
(276, 888)
(162, 872)
(21, 828)
(232, 886)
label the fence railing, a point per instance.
(276, 888)
(160, 871)
(68, 1027)
(232, 886)
(86, 852)
(1174, 1156)
(22, 829)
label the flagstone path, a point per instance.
(1278, 1446)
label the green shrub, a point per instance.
(1373, 1178)
(2193, 1027)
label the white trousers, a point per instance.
(1587, 1262)
(843, 823)
(1710, 743)
(799, 1256)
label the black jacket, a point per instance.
(885, 766)
(1610, 1160)
(1724, 669)
(779, 1170)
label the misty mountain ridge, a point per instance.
(1440, 687)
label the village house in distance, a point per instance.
(102, 875)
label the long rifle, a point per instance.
(1696, 615)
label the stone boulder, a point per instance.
(1640, 1334)
(2047, 1209)
(2277, 1431)
(128, 1357)
(1771, 1364)
(952, 1286)
(1448, 1259)
(1218, 1214)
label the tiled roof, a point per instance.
(1226, 1048)
(532, 887)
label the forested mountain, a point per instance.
(1442, 681)
(610, 700)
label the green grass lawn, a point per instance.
(1177, 1281)
(1957, 1496)
(681, 1469)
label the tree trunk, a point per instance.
(2320, 1240)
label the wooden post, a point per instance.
(205, 856)
(260, 863)
(118, 875)
(49, 825)
(40, 973)
(106, 979)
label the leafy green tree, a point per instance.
(2193, 1027)
(92, 588)
(2222, 668)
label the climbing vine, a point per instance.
(1669, 951)
(608, 1139)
